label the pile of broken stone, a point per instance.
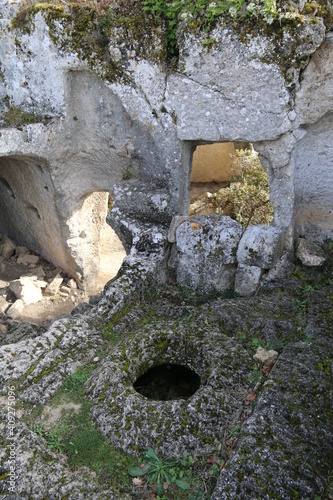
(26, 278)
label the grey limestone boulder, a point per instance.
(309, 253)
(261, 246)
(247, 279)
(206, 252)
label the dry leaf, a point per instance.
(251, 396)
(211, 461)
(267, 369)
(222, 465)
(195, 226)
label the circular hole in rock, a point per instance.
(167, 381)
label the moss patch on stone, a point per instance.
(177, 426)
(17, 117)
(154, 30)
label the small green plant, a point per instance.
(301, 305)
(54, 441)
(208, 43)
(185, 290)
(127, 175)
(240, 337)
(308, 339)
(325, 365)
(74, 383)
(37, 429)
(234, 431)
(255, 376)
(159, 471)
(257, 342)
(306, 289)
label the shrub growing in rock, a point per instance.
(247, 198)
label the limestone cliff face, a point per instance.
(71, 128)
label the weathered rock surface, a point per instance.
(180, 425)
(292, 417)
(7, 248)
(206, 252)
(309, 253)
(70, 137)
(260, 246)
(144, 124)
(292, 420)
(42, 472)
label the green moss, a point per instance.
(17, 117)
(87, 30)
(149, 30)
(24, 18)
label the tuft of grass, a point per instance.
(76, 436)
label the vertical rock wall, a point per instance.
(135, 133)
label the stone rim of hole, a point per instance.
(130, 421)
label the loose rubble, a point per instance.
(32, 289)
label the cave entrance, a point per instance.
(228, 179)
(60, 261)
(166, 382)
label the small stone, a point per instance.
(3, 329)
(72, 284)
(3, 305)
(7, 248)
(96, 359)
(264, 357)
(27, 259)
(26, 289)
(65, 289)
(54, 286)
(41, 283)
(21, 250)
(4, 284)
(56, 271)
(309, 253)
(38, 273)
(15, 310)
